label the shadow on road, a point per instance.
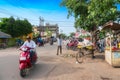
(100, 56)
(45, 70)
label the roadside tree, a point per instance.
(14, 27)
(89, 14)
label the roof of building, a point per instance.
(4, 35)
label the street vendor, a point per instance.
(88, 44)
(108, 42)
(115, 42)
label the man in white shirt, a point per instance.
(31, 44)
(59, 41)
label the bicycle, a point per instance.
(83, 51)
(3, 45)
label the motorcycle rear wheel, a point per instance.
(23, 72)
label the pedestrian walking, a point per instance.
(97, 45)
(59, 42)
(102, 45)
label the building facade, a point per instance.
(48, 30)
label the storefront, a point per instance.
(112, 40)
(4, 39)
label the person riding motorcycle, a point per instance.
(40, 40)
(31, 44)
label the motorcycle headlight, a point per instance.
(24, 49)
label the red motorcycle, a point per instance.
(25, 61)
(72, 45)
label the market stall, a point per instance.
(112, 48)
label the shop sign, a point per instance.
(116, 55)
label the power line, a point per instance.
(22, 5)
(67, 26)
(9, 13)
(6, 12)
(58, 21)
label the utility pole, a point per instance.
(41, 25)
(41, 21)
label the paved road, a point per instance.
(47, 62)
(52, 67)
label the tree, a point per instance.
(49, 33)
(72, 34)
(63, 35)
(3, 24)
(91, 13)
(27, 27)
(14, 27)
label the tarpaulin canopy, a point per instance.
(4, 35)
(111, 25)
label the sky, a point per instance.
(49, 10)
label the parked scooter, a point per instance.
(72, 45)
(25, 61)
(40, 44)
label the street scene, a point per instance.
(52, 67)
(59, 39)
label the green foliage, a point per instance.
(81, 36)
(63, 35)
(11, 42)
(84, 36)
(91, 13)
(35, 35)
(102, 34)
(72, 34)
(49, 33)
(14, 27)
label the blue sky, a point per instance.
(50, 10)
(118, 7)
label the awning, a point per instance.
(4, 35)
(111, 25)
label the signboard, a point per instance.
(116, 54)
